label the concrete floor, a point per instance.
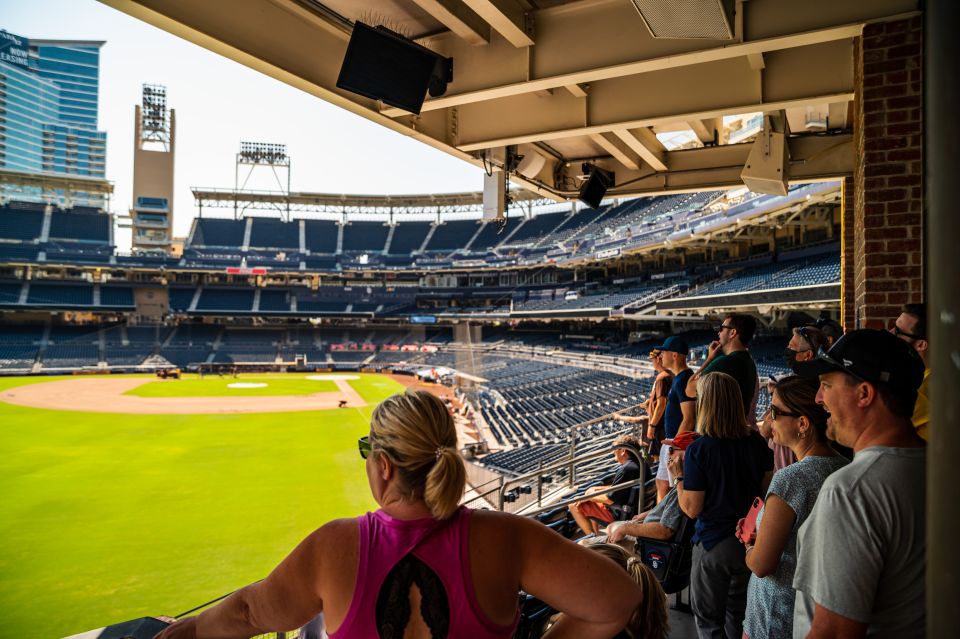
(682, 625)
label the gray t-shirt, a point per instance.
(862, 550)
(770, 599)
(667, 512)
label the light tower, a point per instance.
(153, 155)
(265, 155)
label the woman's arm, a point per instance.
(775, 527)
(691, 501)
(288, 598)
(596, 596)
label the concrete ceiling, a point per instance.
(574, 81)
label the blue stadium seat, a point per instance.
(365, 237)
(87, 227)
(408, 237)
(272, 233)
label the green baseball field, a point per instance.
(107, 516)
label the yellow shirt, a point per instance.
(921, 410)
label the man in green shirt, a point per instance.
(729, 354)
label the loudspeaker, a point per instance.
(766, 167)
(593, 190)
(494, 195)
(531, 164)
(383, 65)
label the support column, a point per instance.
(942, 158)
(848, 261)
(888, 174)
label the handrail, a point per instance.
(569, 463)
(570, 500)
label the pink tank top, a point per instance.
(427, 548)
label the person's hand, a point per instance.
(183, 629)
(615, 532)
(713, 349)
(739, 533)
(651, 432)
(765, 425)
(675, 466)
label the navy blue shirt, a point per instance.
(627, 472)
(673, 416)
(730, 472)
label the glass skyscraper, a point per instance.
(48, 107)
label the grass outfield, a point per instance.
(214, 386)
(108, 517)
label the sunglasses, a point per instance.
(722, 327)
(776, 413)
(900, 332)
(363, 444)
(805, 334)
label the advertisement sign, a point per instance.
(14, 50)
(237, 270)
(608, 253)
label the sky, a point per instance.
(218, 103)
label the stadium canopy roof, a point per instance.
(577, 80)
(324, 202)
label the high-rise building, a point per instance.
(49, 106)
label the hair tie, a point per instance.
(439, 451)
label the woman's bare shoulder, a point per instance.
(499, 524)
(333, 536)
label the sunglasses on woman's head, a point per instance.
(364, 445)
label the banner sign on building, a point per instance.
(14, 50)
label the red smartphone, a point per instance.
(750, 521)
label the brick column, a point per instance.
(888, 174)
(848, 261)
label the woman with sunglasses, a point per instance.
(799, 423)
(422, 565)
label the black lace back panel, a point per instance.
(393, 601)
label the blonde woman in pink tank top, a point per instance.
(422, 566)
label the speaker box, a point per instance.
(494, 195)
(593, 190)
(766, 167)
(383, 65)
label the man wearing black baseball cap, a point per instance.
(861, 554)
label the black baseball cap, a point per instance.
(873, 356)
(829, 327)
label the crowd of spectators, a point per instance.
(836, 466)
(809, 524)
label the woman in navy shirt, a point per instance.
(723, 471)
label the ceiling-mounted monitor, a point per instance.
(383, 65)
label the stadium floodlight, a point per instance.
(263, 153)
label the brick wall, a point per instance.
(888, 174)
(848, 263)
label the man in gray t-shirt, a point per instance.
(862, 549)
(861, 554)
